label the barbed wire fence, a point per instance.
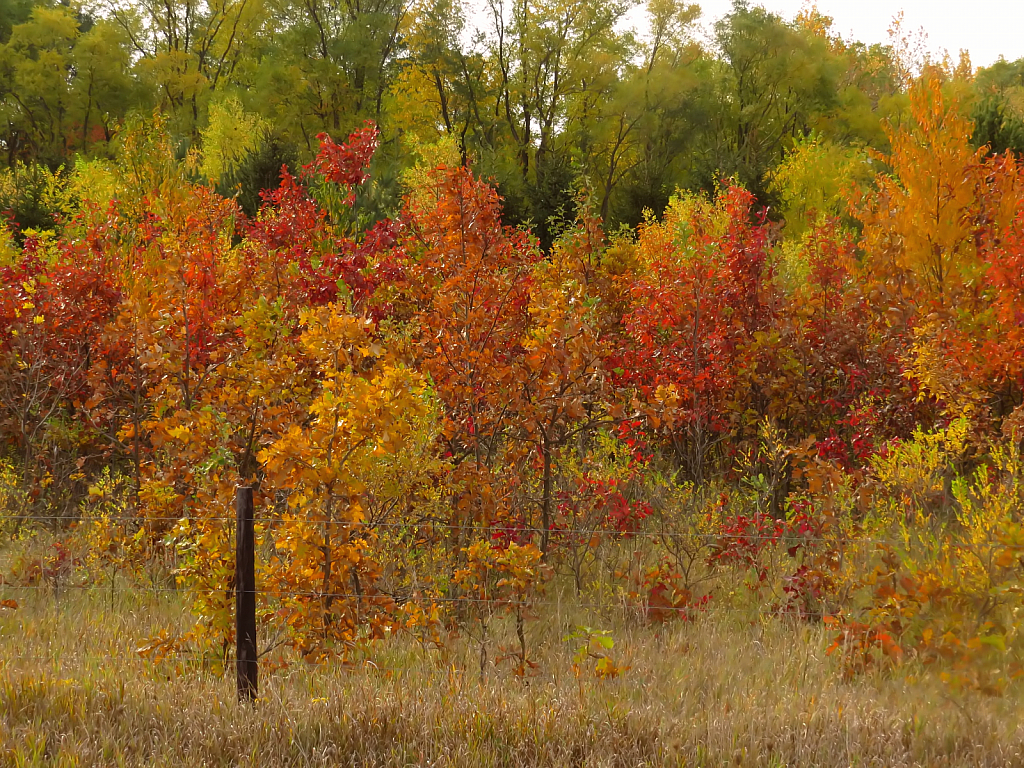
(245, 591)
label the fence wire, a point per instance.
(52, 585)
(623, 604)
(483, 529)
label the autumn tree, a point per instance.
(363, 408)
(54, 303)
(698, 294)
(924, 231)
(563, 384)
(469, 283)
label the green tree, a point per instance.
(638, 140)
(774, 81)
(185, 49)
(13, 12)
(999, 111)
(546, 58)
(324, 67)
(103, 87)
(443, 87)
(36, 101)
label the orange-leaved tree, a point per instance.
(935, 234)
(562, 383)
(468, 283)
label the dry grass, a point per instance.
(714, 692)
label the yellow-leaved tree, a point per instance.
(322, 573)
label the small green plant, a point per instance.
(593, 647)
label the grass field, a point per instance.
(721, 690)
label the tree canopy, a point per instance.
(538, 96)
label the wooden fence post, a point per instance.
(245, 595)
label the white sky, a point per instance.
(986, 28)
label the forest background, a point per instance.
(536, 95)
(545, 308)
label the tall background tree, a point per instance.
(540, 97)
